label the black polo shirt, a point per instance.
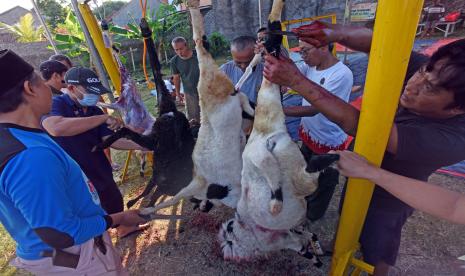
(94, 164)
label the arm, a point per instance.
(176, 78)
(62, 126)
(40, 192)
(300, 111)
(177, 84)
(285, 72)
(356, 38)
(423, 196)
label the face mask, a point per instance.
(89, 100)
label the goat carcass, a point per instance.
(275, 181)
(172, 144)
(169, 136)
(130, 104)
(217, 152)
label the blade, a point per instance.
(282, 33)
(158, 216)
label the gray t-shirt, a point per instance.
(251, 85)
(189, 71)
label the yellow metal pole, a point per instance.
(394, 33)
(105, 53)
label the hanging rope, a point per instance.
(150, 85)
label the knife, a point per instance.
(276, 32)
(158, 216)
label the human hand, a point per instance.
(281, 71)
(319, 33)
(128, 218)
(351, 164)
(114, 123)
(179, 97)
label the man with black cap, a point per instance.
(77, 125)
(47, 204)
(53, 72)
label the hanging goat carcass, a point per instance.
(220, 142)
(130, 105)
(169, 136)
(275, 180)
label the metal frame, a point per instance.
(105, 54)
(286, 23)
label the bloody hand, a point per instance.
(317, 33)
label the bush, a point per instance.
(218, 44)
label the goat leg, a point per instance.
(146, 141)
(111, 139)
(194, 188)
(248, 71)
(147, 190)
(245, 104)
(269, 167)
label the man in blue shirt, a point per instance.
(47, 204)
(78, 125)
(242, 52)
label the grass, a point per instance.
(7, 247)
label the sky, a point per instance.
(8, 4)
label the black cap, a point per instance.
(13, 69)
(87, 78)
(48, 67)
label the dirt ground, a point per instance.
(188, 246)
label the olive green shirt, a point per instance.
(189, 71)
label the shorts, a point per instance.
(91, 261)
(381, 233)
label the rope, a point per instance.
(150, 85)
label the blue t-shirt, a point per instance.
(94, 164)
(251, 85)
(41, 186)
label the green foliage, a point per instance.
(218, 44)
(53, 11)
(70, 39)
(24, 30)
(165, 24)
(107, 8)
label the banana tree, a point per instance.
(165, 23)
(24, 30)
(70, 39)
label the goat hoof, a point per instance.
(130, 203)
(205, 206)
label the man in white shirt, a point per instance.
(318, 134)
